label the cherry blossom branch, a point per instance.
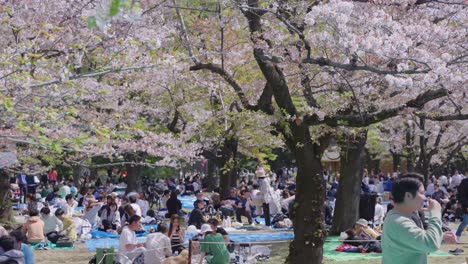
(444, 117)
(352, 67)
(357, 120)
(92, 75)
(226, 76)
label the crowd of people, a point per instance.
(58, 212)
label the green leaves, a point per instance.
(8, 102)
(91, 22)
(114, 8)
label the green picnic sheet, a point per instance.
(330, 253)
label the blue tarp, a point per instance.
(237, 237)
(187, 201)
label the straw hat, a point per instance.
(260, 172)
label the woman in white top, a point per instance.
(143, 203)
(91, 211)
(110, 218)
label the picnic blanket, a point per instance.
(52, 246)
(236, 237)
(332, 242)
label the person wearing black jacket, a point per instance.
(463, 199)
(174, 205)
(196, 216)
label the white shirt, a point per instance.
(91, 215)
(126, 237)
(196, 186)
(379, 214)
(158, 247)
(137, 208)
(69, 209)
(144, 206)
(443, 180)
(456, 180)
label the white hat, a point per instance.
(260, 172)
(362, 222)
(206, 228)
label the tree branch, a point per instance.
(92, 75)
(352, 67)
(356, 120)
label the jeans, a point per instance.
(462, 225)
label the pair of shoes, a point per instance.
(40, 247)
(456, 251)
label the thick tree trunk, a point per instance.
(228, 165)
(79, 172)
(210, 180)
(349, 189)
(308, 218)
(6, 214)
(134, 173)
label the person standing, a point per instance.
(53, 175)
(402, 239)
(266, 193)
(463, 199)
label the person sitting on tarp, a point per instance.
(364, 231)
(213, 246)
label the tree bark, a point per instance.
(396, 159)
(6, 213)
(228, 165)
(79, 172)
(134, 173)
(308, 218)
(211, 181)
(349, 189)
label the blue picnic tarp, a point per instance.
(92, 244)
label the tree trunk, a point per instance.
(210, 180)
(79, 172)
(134, 173)
(308, 218)
(6, 214)
(349, 188)
(396, 158)
(228, 164)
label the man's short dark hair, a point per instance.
(134, 218)
(213, 221)
(132, 199)
(45, 210)
(197, 202)
(7, 243)
(18, 235)
(59, 212)
(162, 228)
(68, 197)
(402, 186)
(33, 212)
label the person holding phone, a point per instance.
(402, 238)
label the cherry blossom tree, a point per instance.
(330, 63)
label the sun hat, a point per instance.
(206, 228)
(362, 222)
(260, 172)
